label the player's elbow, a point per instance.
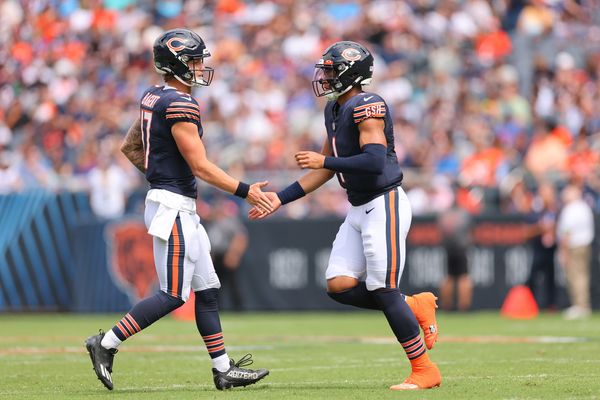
(377, 156)
(202, 170)
(201, 173)
(204, 177)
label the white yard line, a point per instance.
(287, 339)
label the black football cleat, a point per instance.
(102, 359)
(238, 376)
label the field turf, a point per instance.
(348, 355)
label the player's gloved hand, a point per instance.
(310, 159)
(256, 213)
(257, 198)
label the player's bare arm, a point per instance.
(371, 132)
(133, 147)
(193, 151)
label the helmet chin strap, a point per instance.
(335, 95)
(184, 82)
(332, 96)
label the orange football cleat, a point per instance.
(425, 377)
(423, 305)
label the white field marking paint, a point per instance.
(319, 338)
(53, 338)
(303, 384)
(487, 339)
(496, 361)
(133, 349)
(529, 376)
(313, 339)
(352, 365)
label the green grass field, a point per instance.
(311, 356)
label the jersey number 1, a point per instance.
(335, 153)
(146, 120)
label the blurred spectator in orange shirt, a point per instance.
(493, 44)
(486, 165)
(547, 153)
(583, 160)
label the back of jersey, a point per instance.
(161, 107)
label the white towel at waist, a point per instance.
(169, 206)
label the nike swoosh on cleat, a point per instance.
(368, 211)
(367, 98)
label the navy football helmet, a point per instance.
(343, 65)
(176, 53)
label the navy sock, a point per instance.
(398, 314)
(358, 296)
(208, 322)
(145, 313)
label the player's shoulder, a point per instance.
(176, 103)
(365, 98)
(367, 105)
(172, 95)
(179, 106)
(151, 98)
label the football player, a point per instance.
(165, 143)
(368, 253)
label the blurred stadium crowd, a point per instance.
(490, 98)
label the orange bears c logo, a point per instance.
(131, 258)
(171, 43)
(351, 54)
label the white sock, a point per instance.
(110, 340)
(221, 363)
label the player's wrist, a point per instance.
(242, 190)
(291, 193)
(327, 162)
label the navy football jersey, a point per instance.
(161, 107)
(343, 134)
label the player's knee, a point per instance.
(207, 299)
(343, 297)
(169, 301)
(386, 297)
(341, 283)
